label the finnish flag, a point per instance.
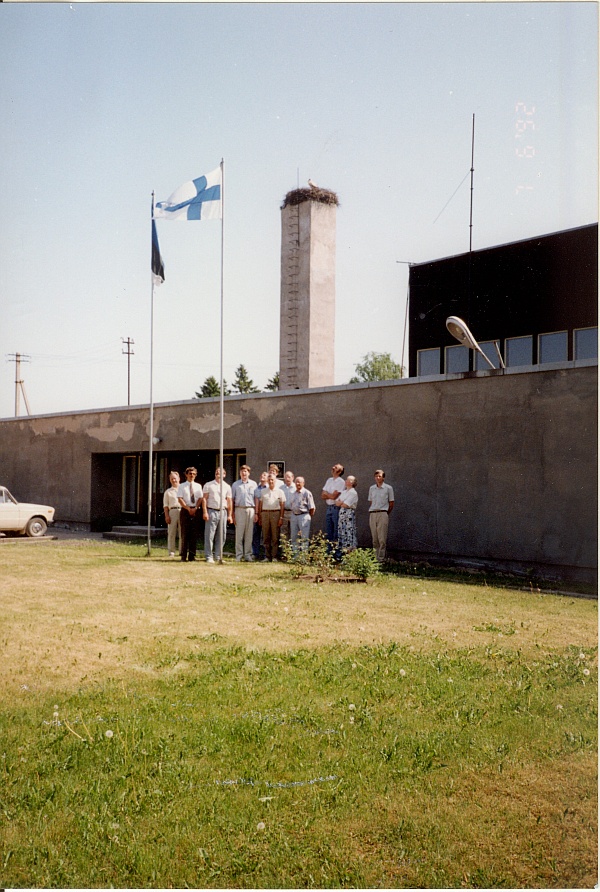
(197, 200)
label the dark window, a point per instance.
(490, 351)
(428, 362)
(519, 351)
(553, 347)
(457, 359)
(585, 343)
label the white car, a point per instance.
(21, 517)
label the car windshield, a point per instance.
(5, 496)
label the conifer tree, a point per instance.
(242, 383)
(211, 388)
(273, 383)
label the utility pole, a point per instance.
(472, 172)
(129, 353)
(18, 358)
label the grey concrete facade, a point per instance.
(307, 327)
(496, 468)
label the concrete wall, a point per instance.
(499, 468)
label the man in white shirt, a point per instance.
(274, 469)
(331, 492)
(217, 514)
(381, 503)
(242, 494)
(190, 499)
(271, 506)
(172, 510)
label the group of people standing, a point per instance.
(341, 498)
(265, 512)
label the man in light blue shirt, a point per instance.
(303, 508)
(288, 490)
(242, 494)
(381, 504)
(257, 533)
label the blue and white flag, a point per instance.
(158, 267)
(197, 200)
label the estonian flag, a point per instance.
(158, 268)
(197, 200)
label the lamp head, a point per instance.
(460, 330)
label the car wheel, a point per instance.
(36, 527)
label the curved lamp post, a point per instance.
(460, 330)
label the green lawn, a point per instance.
(181, 725)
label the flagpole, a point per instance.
(223, 525)
(151, 431)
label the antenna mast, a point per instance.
(472, 171)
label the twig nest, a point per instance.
(299, 196)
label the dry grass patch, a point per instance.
(521, 828)
(88, 610)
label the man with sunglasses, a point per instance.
(190, 499)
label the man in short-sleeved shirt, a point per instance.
(271, 506)
(288, 489)
(303, 508)
(242, 494)
(381, 503)
(331, 492)
(274, 469)
(258, 550)
(217, 515)
(172, 510)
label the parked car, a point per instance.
(22, 517)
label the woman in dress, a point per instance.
(347, 503)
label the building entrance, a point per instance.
(119, 491)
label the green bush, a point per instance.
(361, 562)
(317, 558)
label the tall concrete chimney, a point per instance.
(307, 324)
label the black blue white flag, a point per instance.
(158, 268)
(199, 199)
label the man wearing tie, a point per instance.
(190, 499)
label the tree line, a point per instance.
(374, 367)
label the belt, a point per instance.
(270, 511)
(299, 513)
(379, 511)
(177, 508)
(246, 507)
(217, 509)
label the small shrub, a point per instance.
(361, 562)
(318, 558)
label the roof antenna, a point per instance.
(472, 171)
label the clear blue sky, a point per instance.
(103, 103)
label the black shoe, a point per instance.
(183, 558)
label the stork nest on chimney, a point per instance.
(299, 196)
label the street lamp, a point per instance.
(460, 330)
